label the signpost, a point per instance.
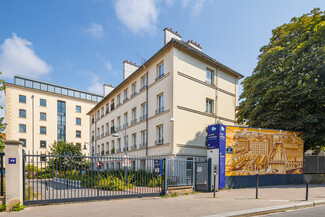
(100, 164)
(158, 168)
(12, 160)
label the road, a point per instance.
(310, 212)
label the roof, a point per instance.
(176, 42)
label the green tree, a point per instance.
(2, 124)
(287, 88)
(70, 152)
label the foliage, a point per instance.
(70, 160)
(3, 207)
(155, 182)
(287, 87)
(2, 124)
(18, 206)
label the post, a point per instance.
(166, 178)
(194, 168)
(257, 183)
(14, 172)
(1, 154)
(214, 183)
(307, 187)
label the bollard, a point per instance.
(257, 182)
(214, 183)
(307, 187)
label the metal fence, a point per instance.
(180, 172)
(2, 169)
(63, 178)
(314, 164)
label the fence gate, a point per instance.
(203, 176)
(64, 178)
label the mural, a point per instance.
(249, 150)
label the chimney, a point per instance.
(128, 68)
(107, 89)
(194, 44)
(169, 34)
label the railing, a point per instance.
(143, 88)
(133, 94)
(118, 128)
(57, 178)
(143, 145)
(107, 133)
(133, 121)
(118, 104)
(102, 135)
(159, 141)
(159, 110)
(134, 147)
(126, 99)
(159, 77)
(180, 172)
(125, 125)
(143, 117)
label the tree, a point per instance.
(2, 124)
(287, 88)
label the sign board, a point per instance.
(12, 160)
(126, 162)
(216, 135)
(158, 168)
(100, 164)
(229, 150)
(199, 169)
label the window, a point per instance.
(102, 110)
(43, 144)
(23, 141)
(78, 108)
(43, 130)
(22, 113)
(112, 127)
(43, 116)
(78, 121)
(125, 119)
(209, 106)
(125, 95)
(161, 70)
(119, 144)
(42, 102)
(107, 129)
(160, 134)
(144, 138)
(78, 134)
(134, 140)
(118, 122)
(134, 89)
(209, 77)
(22, 99)
(143, 82)
(22, 128)
(143, 111)
(61, 119)
(119, 99)
(134, 115)
(160, 101)
(107, 108)
(112, 105)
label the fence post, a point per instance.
(194, 174)
(1, 154)
(166, 178)
(14, 172)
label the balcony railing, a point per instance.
(159, 141)
(160, 76)
(159, 110)
(126, 99)
(107, 152)
(133, 121)
(102, 135)
(143, 88)
(143, 145)
(107, 133)
(118, 128)
(98, 136)
(133, 94)
(118, 104)
(134, 147)
(143, 117)
(125, 125)
(107, 111)
(119, 150)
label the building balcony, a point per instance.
(118, 128)
(102, 135)
(143, 88)
(125, 125)
(159, 110)
(118, 104)
(159, 77)
(134, 94)
(133, 121)
(143, 145)
(107, 133)
(159, 141)
(107, 152)
(143, 117)
(134, 147)
(126, 99)
(119, 150)
(98, 137)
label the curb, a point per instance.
(271, 209)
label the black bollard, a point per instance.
(307, 187)
(257, 183)
(214, 184)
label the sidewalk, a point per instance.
(198, 204)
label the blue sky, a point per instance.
(82, 44)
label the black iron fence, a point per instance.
(63, 177)
(314, 164)
(180, 172)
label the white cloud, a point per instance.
(96, 86)
(2, 103)
(194, 5)
(138, 15)
(95, 30)
(170, 2)
(108, 65)
(18, 57)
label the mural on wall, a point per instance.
(249, 150)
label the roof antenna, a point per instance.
(142, 60)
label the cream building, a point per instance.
(39, 113)
(166, 104)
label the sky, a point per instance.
(82, 43)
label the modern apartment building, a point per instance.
(39, 113)
(165, 105)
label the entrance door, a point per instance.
(203, 176)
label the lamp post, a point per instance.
(125, 151)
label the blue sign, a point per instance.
(12, 160)
(216, 135)
(158, 168)
(229, 150)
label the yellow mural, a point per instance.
(252, 150)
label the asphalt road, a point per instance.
(318, 211)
